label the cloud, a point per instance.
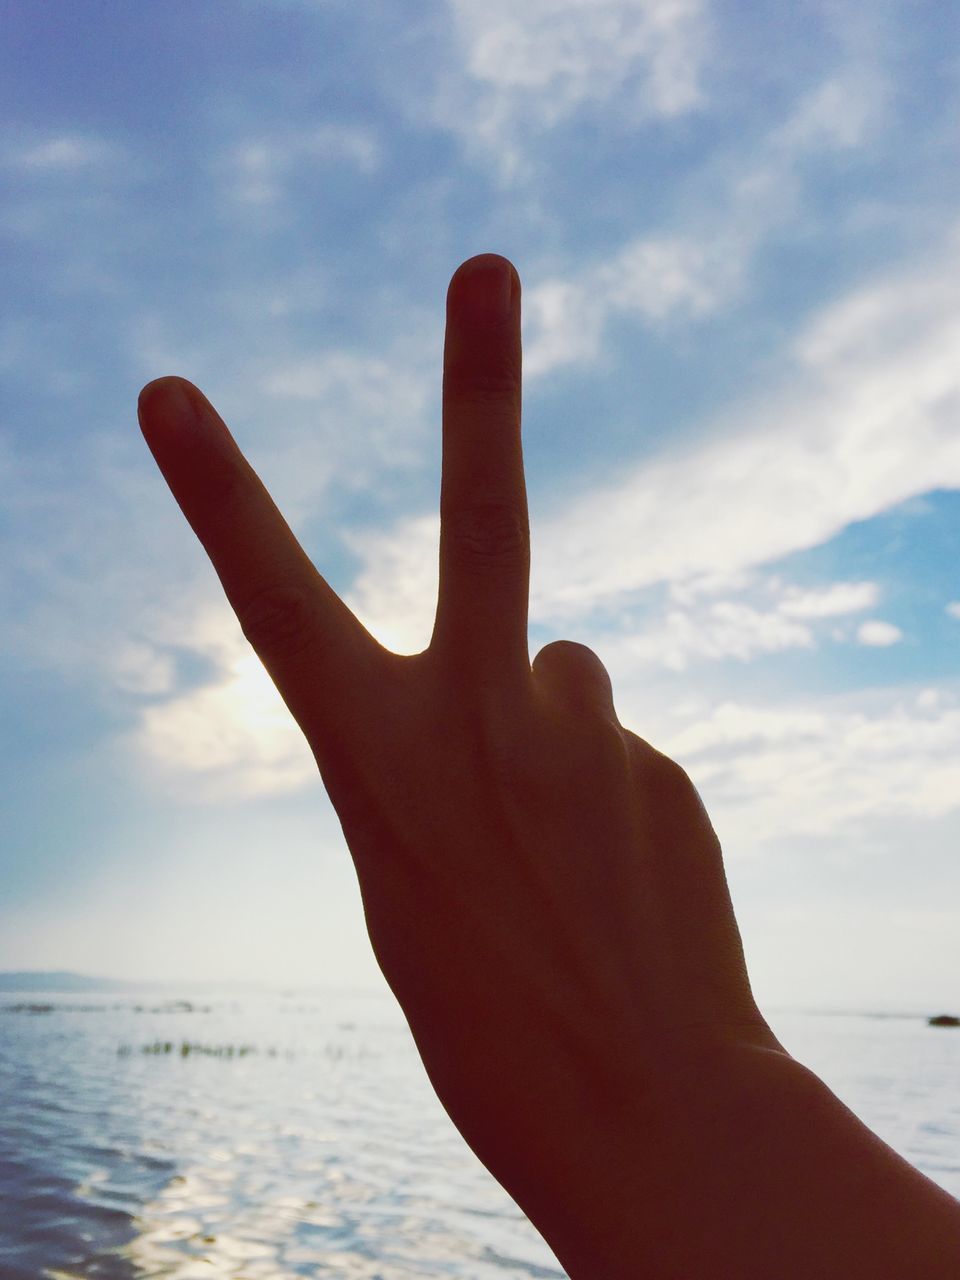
(258, 170)
(700, 266)
(865, 420)
(81, 543)
(100, 542)
(307, 414)
(346, 418)
(726, 629)
(828, 602)
(146, 626)
(62, 195)
(103, 585)
(656, 278)
(552, 56)
(61, 153)
(230, 739)
(525, 69)
(823, 768)
(842, 112)
(878, 634)
(769, 617)
(395, 592)
(953, 609)
(141, 668)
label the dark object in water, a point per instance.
(943, 1020)
(185, 1048)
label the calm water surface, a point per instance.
(276, 1136)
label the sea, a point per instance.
(225, 1134)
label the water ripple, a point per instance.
(322, 1150)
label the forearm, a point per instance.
(753, 1172)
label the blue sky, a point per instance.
(737, 229)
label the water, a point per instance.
(298, 1135)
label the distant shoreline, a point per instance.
(67, 982)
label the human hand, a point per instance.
(543, 890)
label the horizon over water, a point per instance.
(264, 1133)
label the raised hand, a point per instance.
(543, 890)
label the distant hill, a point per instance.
(57, 980)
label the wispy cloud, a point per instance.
(257, 170)
(824, 766)
(66, 153)
(700, 266)
(840, 112)
(877, 634)
(769, 616)
(230, 739)
(657, 279)
(527, 68)
(866, 420)
(828, 602)
(723, 629)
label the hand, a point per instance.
(543, 890)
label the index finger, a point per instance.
(316, 650)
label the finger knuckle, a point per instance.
(487, 385)
(491, 536)
(659, 772)
(673, 776)
(278, 621)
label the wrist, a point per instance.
(746, 1166)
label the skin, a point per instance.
(543, 890)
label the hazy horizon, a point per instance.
(302, 986)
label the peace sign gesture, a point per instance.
(543, 890)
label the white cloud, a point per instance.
(347, 417)
(141, 668)
(726, 629)
(552, 56)
(395, 592)
(307, 420)
(656, 278)
(867, 420)
(562, 324)
(773, 616)
(529, 67)
(81, 543)
(868, 423)
(369, 379)
(700, 266)
(953, 609)
(878, 634)
(841, 112)
(258, 169)
(828, 602)
(824, 767)
(94, 537)
(62, 153)
(230, 739)
(103, 584)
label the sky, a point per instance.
(737, 228)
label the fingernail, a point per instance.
(485, 289)
(169, 400)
